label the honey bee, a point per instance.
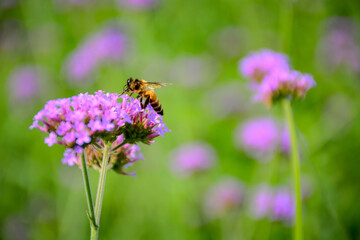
(145, 90)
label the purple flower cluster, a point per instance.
(261, 204)
(284, 84)
(85, 119)
(192, 158)
(283, 206)
(261, 137)
(109, 44)
(277, 204)
(275, 80)
(261, 63)
(226, 195)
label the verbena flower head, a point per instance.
(193, 157)
(283, 206)
(275, 203)
(262, 202)
(85, 119)
(108, 44)
(258, 137)
(224, 196)
(284, 83)
(261, 63)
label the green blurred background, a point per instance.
(196, 45)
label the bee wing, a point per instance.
(153, 85)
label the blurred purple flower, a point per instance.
(193, 157)
(262, 202)
(338, 111)
(261, 63)
(137, 4)
(4, 4)
(231, 98)
(15, 226)
(222, 197)
(283, 83)
(12, 36)
(109, 44)
(71, 122)
(229, 42)
(275, 203)
(338, 47)
(24, 83)
(283, 206)
(46, 39)
(193, 72)
(258, 137)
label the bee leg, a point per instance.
(147, 101)
(141, 100)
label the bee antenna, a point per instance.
(124, 89)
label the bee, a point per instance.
(145, 90)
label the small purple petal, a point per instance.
(82, 137)
(78, 149)
(69, 137)
(51, 140)
(63, 128)
(69, 157)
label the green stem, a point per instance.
(87, 190)
(119, 146)
(298, 229)
(100, 192)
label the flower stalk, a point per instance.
(99, 132)
(298, 228)
(89, 198)
(100, 191)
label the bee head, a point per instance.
(127, 87)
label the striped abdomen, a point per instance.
(155, 103)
